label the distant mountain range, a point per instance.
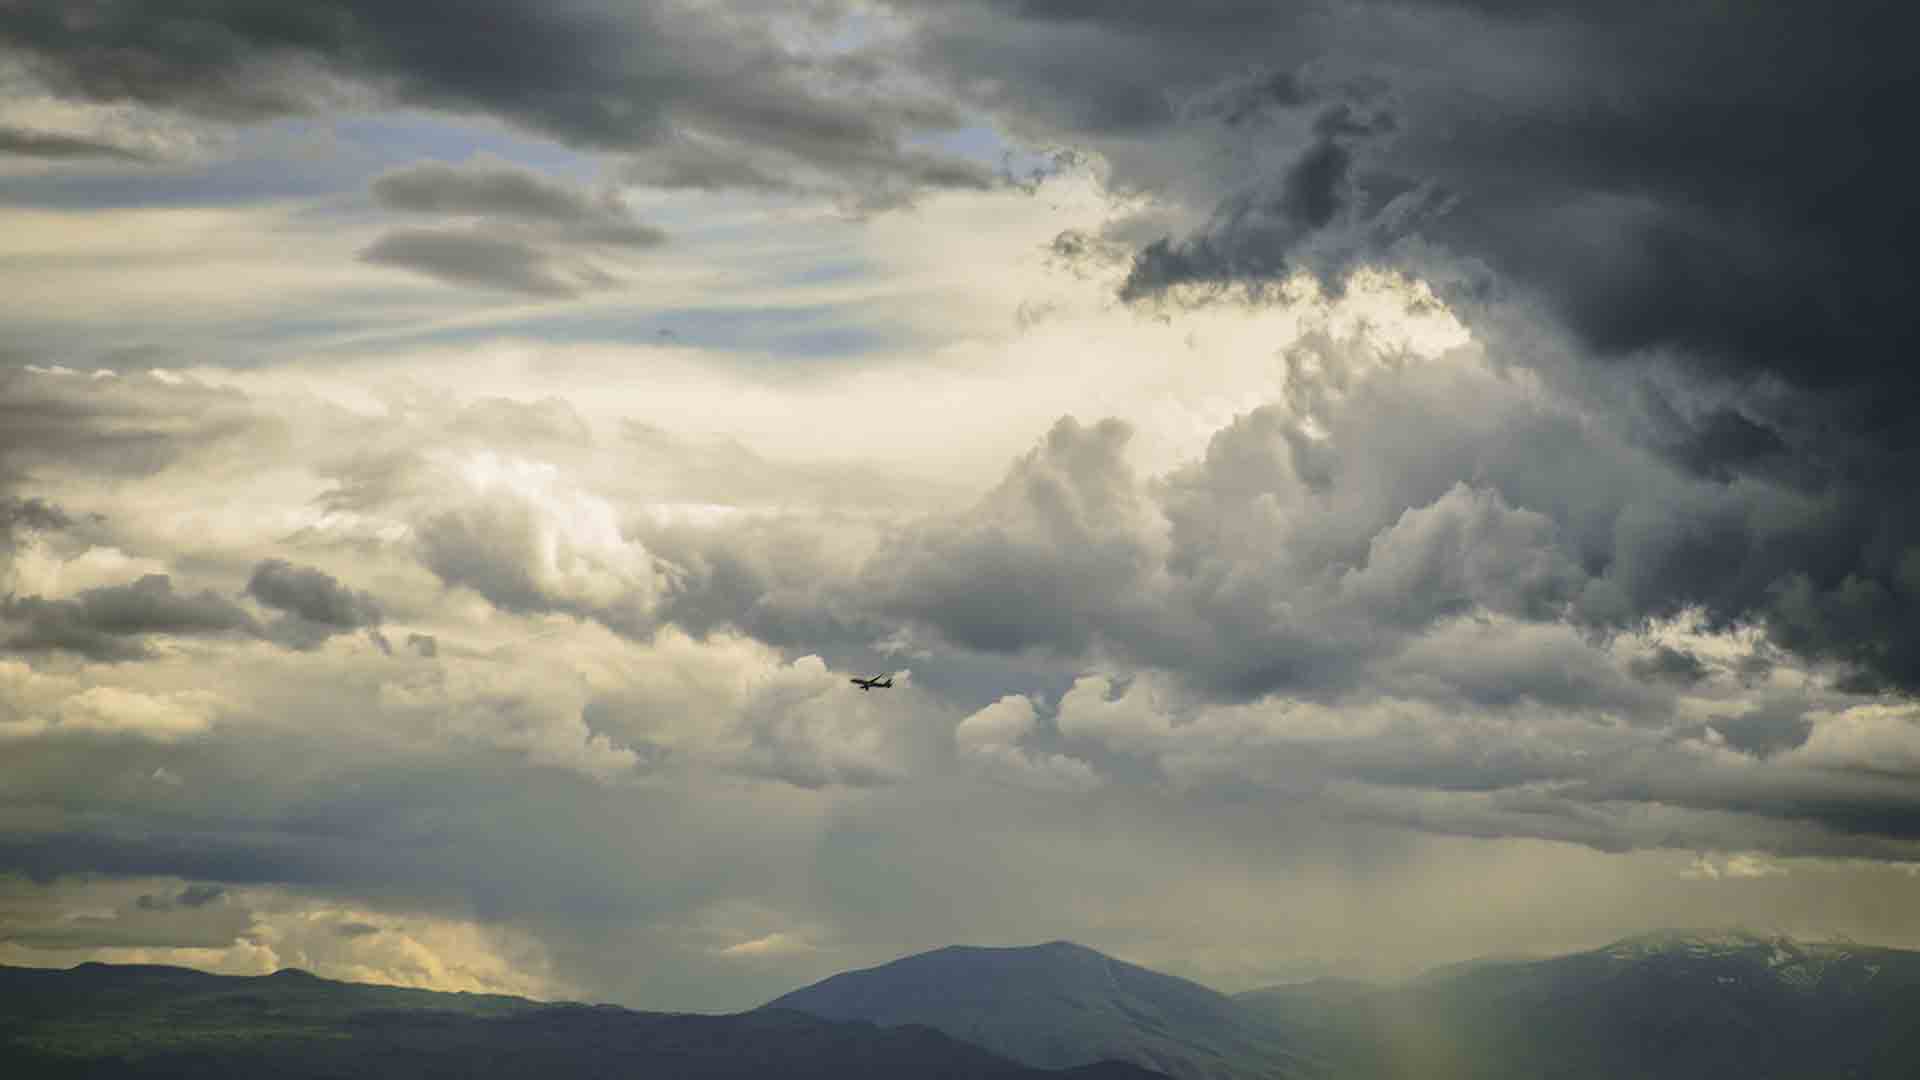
(110, 1022)
(1670, 1005)
(1673, 1005)
(1664, 1005)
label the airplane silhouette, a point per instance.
(875, 682)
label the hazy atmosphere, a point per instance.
(1342, 486)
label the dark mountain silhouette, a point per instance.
(101, 1021)
(1060, 1005)
(1669, 1005)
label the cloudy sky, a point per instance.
(1344, 485)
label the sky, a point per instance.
(1344, 486)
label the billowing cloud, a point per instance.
(527, 539)
(1436, 470)
(994, 739)
(1493, 172)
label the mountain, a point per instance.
(1060, 1005)
(112, 1022)
(1663, 1005)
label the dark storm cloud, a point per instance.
(1713, 178)
(612, 77)
(109, 623)
(1316, 216)
(1698, 176)
(501, 261)
(313, 605)
(26, 142)
(1111, 70)
(1710, 193)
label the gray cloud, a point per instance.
(1668, 663)
(1314, 217)
(435, 187)
(126, 426)
(1067, 533)
(1773, 724)
(863, 181)
(20, 516)
(313, 605)
(109, 623)
(686, 164)
(530, 235)
(149, 922)
(27, 142)
(610, 78)
(488, 259)
(193, 896)
(512, 194)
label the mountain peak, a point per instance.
(1054, 1005)
(1057, 948)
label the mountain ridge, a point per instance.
(1660, 1005)
(112, 1022)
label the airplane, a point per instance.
(877, 682)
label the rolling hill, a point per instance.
(112, 1022)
